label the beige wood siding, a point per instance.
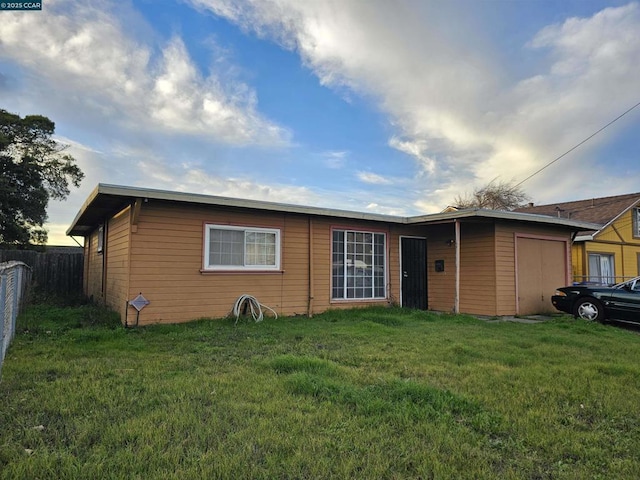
(441, 285)
(321, 263)
(117, 261)
(477, 269)
(85, 264)
(505, 270)
(167, 262)
(93, 268)
(162, 258)
(167, 259)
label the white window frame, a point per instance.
(246, 267)
(636, 222)
(345, 265)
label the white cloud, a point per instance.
(84, 52)
(184, 179)
(335, 159)
(381, 209)
(460, 115)
(455, 110)
(373, 178)
(416, 148)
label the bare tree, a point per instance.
(496, 195)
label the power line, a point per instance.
(576, 146)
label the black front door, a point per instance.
(414, 272)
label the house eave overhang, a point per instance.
(481, 213)
(106, 200)
(584, 238)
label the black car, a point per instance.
(600, 303)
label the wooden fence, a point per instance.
(55, 271)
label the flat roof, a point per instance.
(106, 200)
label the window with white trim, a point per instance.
(241, 248)
(602, 268)
(636, 222)
(358, 261)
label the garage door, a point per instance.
(542, 267)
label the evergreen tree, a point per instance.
(33, 169)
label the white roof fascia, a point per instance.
(584, 238)
(134, 192)
(505, 215)
(239, 202)
(83, 208)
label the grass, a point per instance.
(372, 393)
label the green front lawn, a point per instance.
(373, 393)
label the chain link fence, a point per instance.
(15, 278)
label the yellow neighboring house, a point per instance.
(610, 254)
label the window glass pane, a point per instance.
(601, 268)
(606, 268)
(358, 265)
(100, 239)
(226, 247)
(241, 248)
(260, 248)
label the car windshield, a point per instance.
(633, 284)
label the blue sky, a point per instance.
(379, 106)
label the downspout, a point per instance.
(456, 306)
(311, 270)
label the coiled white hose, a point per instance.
(253, 305)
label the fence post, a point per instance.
(17, 274)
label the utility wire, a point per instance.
(576, 146)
